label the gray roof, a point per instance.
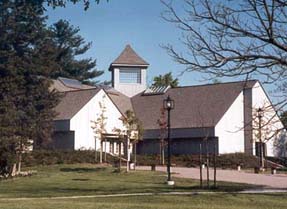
(122, 102)
(129, 57)
(61, 86)
(72, 102)
(195, 106)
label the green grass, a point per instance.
(88, 179)
(203, 201)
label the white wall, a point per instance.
(260, 100)
(82, 124)
(229, 129)
(129, 89)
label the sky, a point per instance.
(111, 25)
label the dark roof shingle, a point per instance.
(195, 106)
(129, 57)
(72, 102)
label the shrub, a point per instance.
(222, 161)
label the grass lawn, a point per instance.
(201, 201)
(86, 179)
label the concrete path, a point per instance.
(267, 180)
(142, 194)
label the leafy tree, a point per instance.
(68, 46)
(165, 80)
(26, 61)
(25, 102)
(284, 118)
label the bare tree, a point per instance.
(99, 127)
(162, 123)
(232, 38)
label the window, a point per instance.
(130, 75)
(111, 147)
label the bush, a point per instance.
(50, 157)
(222, 161)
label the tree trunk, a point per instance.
(105, 150)
(128, 154)
(200, 164)
(135, 153)
(120, 156)
(13, 170)
(19, 162)
(207, 164)
(96, 156)
(162, 153)
(101, 152)
(214, 167)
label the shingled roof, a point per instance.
(129, 57)
(195, 106)
(73, 101)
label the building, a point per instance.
(222, 117)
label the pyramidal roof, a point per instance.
(129, 57)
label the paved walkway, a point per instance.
(266, 180)
(142, 194)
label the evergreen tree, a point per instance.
(283, 117)
(68, 46)
(25, 62)
(165, 80)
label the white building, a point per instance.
(224, 115)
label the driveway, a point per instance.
(268, 180)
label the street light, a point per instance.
(168, 105)
(260, 115)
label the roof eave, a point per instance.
(113, 65)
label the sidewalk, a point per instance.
(268, 180)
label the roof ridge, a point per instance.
(77, 90)
(213, 84)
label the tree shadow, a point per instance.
(81, 179)
(83, 170)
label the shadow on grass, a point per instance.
(83, 170)
(81, 179)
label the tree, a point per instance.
(25, 63)
(68, 46)
(162, 123)
(231, 38)
(134, 132)
(284, 118)
(165, 80)
(99, 127)
(131, 134)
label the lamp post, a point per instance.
(168, 105)
(260, 115)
